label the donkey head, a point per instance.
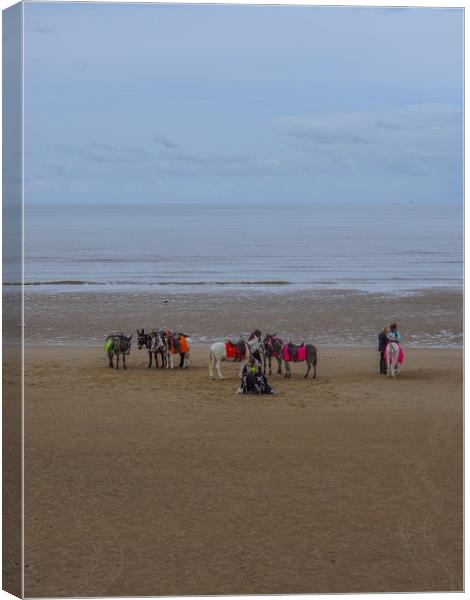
(141, 339)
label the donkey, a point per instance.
(303, 353)
(220, 351)
(272, 347)
(158, 347)
(176, 343)
(392, 352)
(116, 345)
(153, 346)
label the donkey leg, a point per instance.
(182, 355)
(279, 365)
(217, 365)
(309, 366)
(124, 361)
(150, 361)
(117, 361)
(110, 358)
(211, 366)
(270, 365)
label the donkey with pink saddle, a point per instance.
(302, 353)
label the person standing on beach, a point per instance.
(383, 341)
(394, 334)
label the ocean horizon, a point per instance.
(248, 246)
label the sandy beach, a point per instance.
(151, 482)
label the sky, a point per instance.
(163, 103)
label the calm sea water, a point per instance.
(389, 248)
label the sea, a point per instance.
(251, 246)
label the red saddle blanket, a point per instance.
(233, 352)
(300, 356)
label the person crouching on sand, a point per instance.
(253, 380)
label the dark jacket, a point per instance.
(383, 341)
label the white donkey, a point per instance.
(392, 352)
(218, 353)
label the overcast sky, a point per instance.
(222, 103)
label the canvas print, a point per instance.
(233, 270)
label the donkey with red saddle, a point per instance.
(234, 352)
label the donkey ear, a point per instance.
(130, 337)
(274, 334)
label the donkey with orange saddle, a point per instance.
(177, 343)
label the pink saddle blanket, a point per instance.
(300, 357)
(401, 354)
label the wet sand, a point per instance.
(151, 482)
(334, 317)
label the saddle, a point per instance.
(237, 350)
(183, 343)
(172, 341)
(293, 350)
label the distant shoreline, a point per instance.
(394, 287)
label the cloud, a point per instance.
(44, 29)
(163, 141)
(330, 137)
(102, 153)
(407, 141)
(64, 166)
